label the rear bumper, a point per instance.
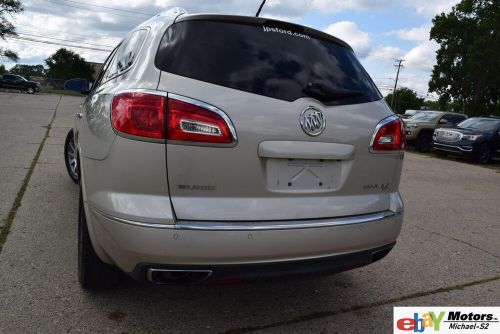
(245, 272)
(134, 247)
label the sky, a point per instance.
(379, 31)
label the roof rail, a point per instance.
(174, 11)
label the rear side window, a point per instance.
(103, 72)
(270, 60)
(454, 119)
(127, 53)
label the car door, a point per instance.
(19, 82)
(9, 81)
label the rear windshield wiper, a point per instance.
(327, 94)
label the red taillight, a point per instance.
(139, 114)
(389, 135)
(190, 122)
(143, 114)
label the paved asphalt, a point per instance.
(448, 253)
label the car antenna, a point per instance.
(260, 8)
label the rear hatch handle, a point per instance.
(305, 150)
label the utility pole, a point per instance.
(398, 64)
(260, 8)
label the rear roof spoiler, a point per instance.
(258, 21)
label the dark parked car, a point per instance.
(477, 138)
(12, 81)
(420, 127)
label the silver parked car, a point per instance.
(215, 148)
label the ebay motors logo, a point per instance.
(419, 323)
(446, 320)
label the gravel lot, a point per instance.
(448, 252)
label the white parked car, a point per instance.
(219, 147)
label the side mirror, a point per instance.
(443, 121)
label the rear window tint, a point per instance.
(270, 60)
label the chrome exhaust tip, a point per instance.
(177, 276)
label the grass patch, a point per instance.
(19, 197)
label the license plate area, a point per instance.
(300, 175)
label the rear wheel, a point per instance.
(93, 274)
(424, 142)
(70, 157)
(483, 154)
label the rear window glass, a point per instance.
(485, 124)
(278, 62)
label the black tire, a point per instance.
(483, 154)
(93, 274)
(70, 157)
(30, 90)
(424, 142)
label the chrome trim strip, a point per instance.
(143, 90)
(453, 146)
(256, 226)
(209, 107)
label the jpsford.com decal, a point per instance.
(446, 319)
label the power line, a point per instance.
(92, 10)
(65, 40)
(47, 31)
(112, 8)
(51, 49)
(56, 43)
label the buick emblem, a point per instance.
(312, 121)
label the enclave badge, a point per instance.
(312, 121)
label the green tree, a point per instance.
(7, 9)
(2, 69)
(65, 64)
(468, 59)
(442, 105)
(405, 99)
(28, 71)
